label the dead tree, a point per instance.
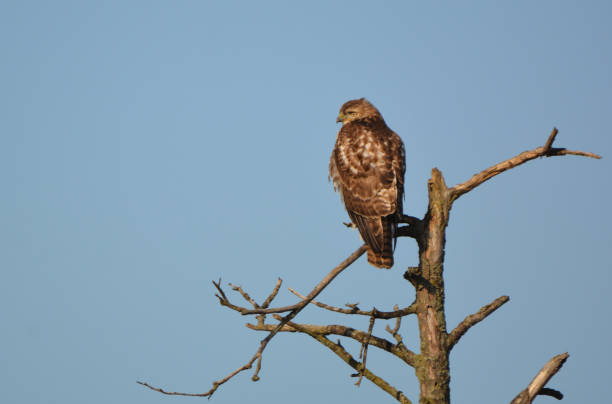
(431, 364)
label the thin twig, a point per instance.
(561, 151)
(272, 296)
(472, 319)
(223, 300)
(245, 295)
(364, 347)
(257, 369)
(395, 330)
(355, 310)
(550, 140)
(398, 323)
(210, 392)
(176, 393)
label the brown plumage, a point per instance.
(367, 167)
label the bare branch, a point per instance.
(257, 369)
(543, 151)
(175, 393)
(398, 323)
(547, 372)
(355, 310)
(214, 388)
(536, 387)
(550, 140)
(334, 272)
(218, 383)
(346, 357)
(401, 352)
(330, 276)
(223, 300)
(294, 310)
(561, 151)
(245, 295)
(272, 296)
(473, 319)
(364, 348)
(395, 330)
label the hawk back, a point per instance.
(367, 167)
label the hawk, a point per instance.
(367, 167)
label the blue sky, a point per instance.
(147, 148)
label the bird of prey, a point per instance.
(367, 168)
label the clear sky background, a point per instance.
(149, 147)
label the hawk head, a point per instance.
(357, 109)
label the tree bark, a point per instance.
(432, 368)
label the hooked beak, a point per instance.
(340, 118)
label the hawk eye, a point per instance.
(351, 112)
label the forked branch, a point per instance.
(362, 337)
(543, 151)
(314, 293)
(395, 330)
(293, 311)
(346, 357)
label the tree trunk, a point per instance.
(432, 369)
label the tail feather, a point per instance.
(377, 233)
(380, 260)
